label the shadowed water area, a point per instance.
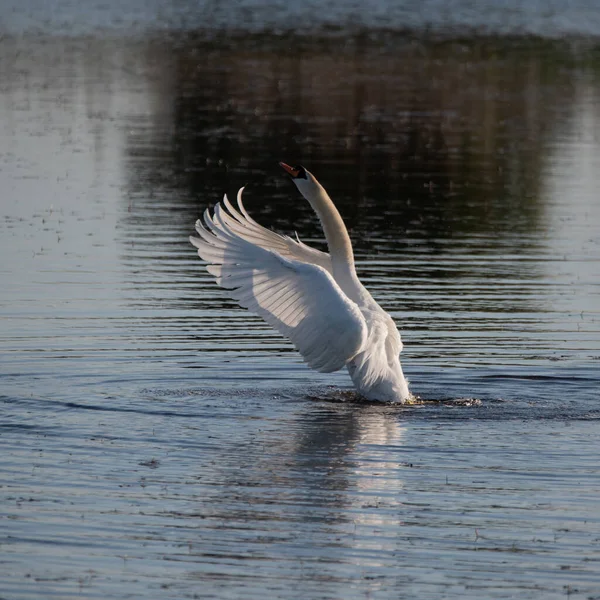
(157, 441)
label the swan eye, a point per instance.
(301, 172)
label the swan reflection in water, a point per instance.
(313, 298)
(353, 459)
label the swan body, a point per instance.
(313, 298)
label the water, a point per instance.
(159, 442)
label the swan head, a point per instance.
(305, 181)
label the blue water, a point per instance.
(159, 442)
(546, 18)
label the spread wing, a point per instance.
(300, 299)
(248, 229)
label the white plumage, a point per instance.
(313, 298)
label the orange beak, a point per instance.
(289, 170)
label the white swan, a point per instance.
(313, 298)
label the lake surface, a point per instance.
(157, 441)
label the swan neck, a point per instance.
(336, 234)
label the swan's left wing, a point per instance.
(301, 300)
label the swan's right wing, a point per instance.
(301, 300)
(239, 221)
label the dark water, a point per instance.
(159, 442)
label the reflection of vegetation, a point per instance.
(433, 150)
(441, 138)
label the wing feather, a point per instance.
(297, 297)
(239, 222)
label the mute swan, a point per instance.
(313, 298)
